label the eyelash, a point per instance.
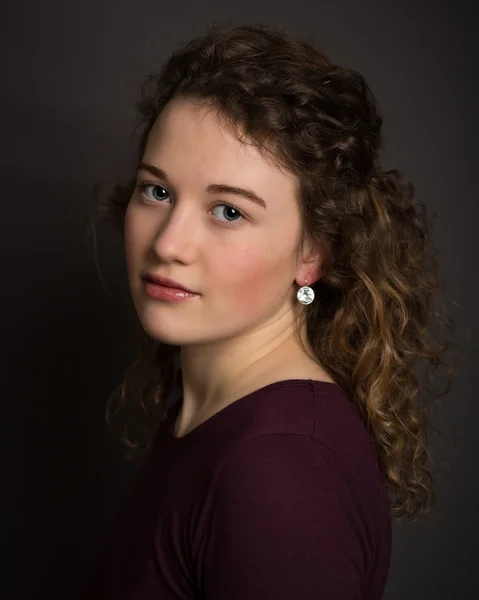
(145, 184)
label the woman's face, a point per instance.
(243, 267)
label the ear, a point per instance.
(310, 270)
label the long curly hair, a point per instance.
(379, 320)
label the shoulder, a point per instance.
(294, 497)
(319, 410)
(280, 501)
(273, 463)
(307, 433)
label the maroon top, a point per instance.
(277, 495)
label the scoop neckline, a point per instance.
(174, 409)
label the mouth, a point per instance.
(166, 282)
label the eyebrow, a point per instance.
(213, 188)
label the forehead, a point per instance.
(191, 137)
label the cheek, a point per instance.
(251, 280)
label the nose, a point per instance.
(176, 236)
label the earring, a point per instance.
(305, 294)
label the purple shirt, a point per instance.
(277, 496)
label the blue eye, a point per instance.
(144, 186)
(231, 208)
(154, 196)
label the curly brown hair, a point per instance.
(380, 296)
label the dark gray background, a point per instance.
(70, 75)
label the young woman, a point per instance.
(284, 276)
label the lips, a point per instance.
(167, 282)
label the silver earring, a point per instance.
(305, 294)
